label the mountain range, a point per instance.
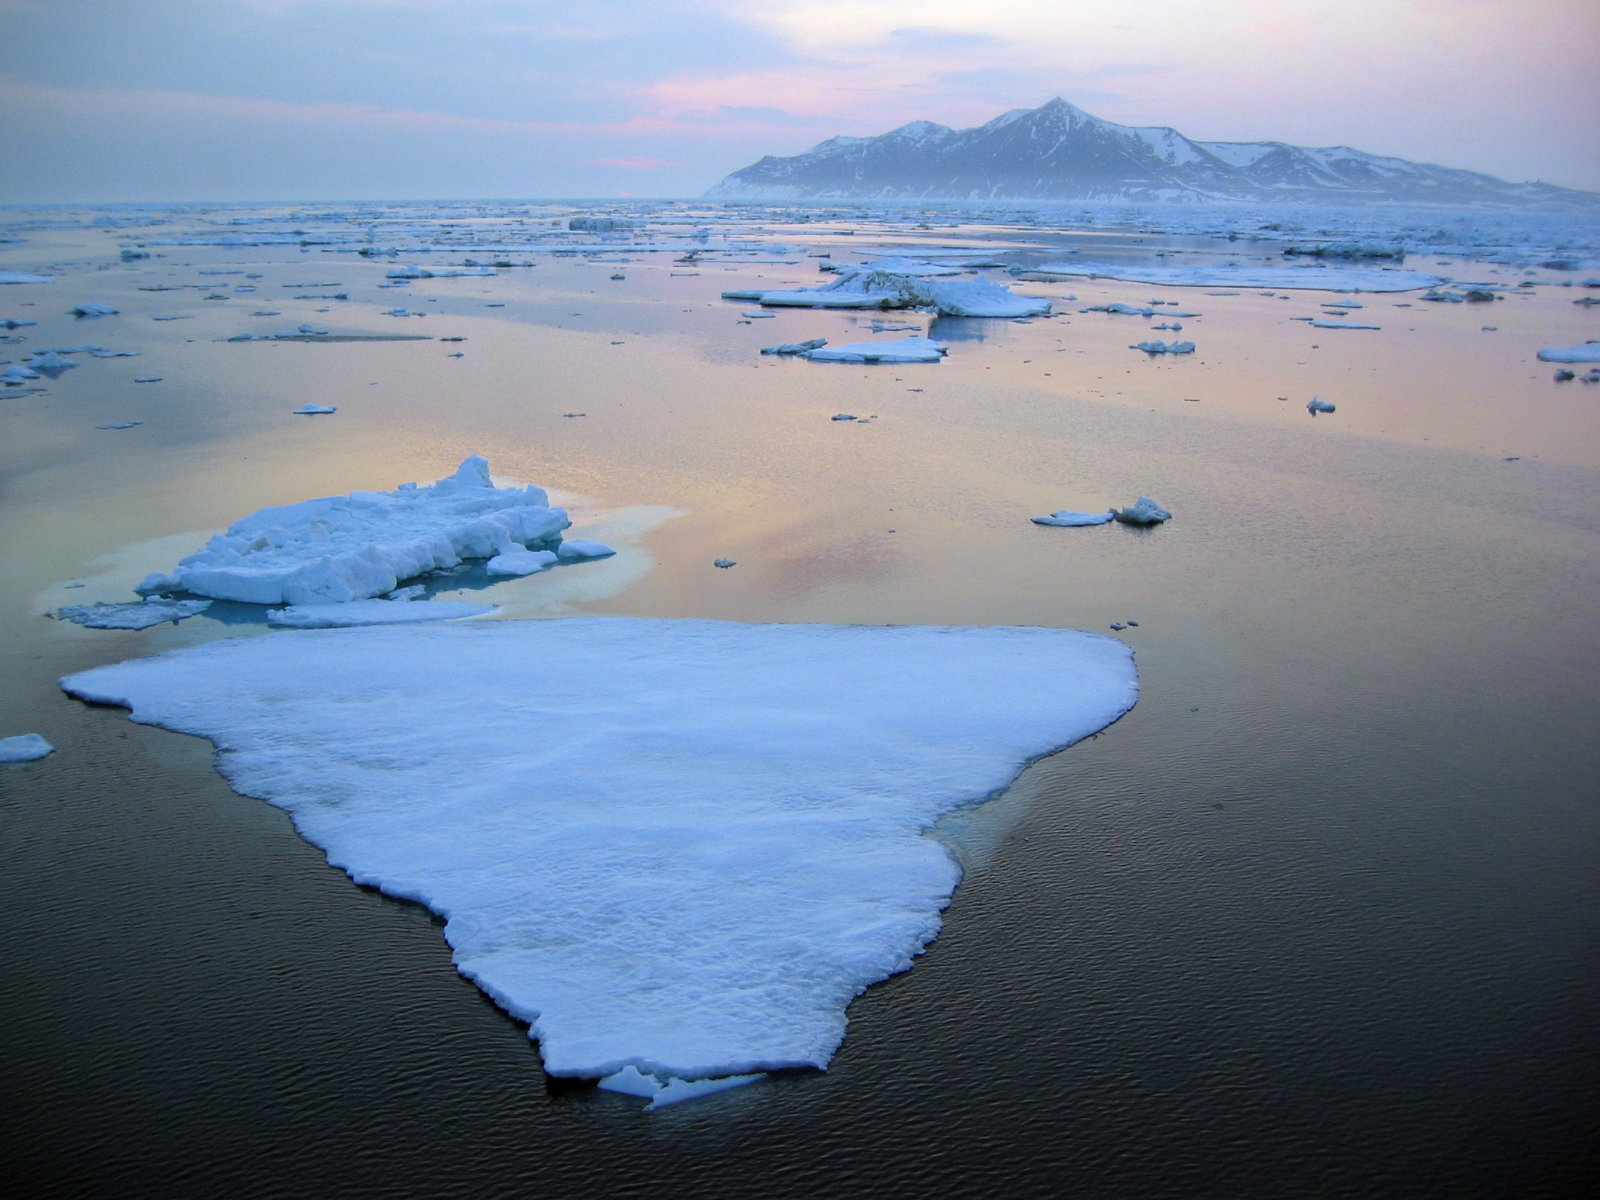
(1059, 152)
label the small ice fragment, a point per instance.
(93, 309)
(619, 275)
(16, 374)
(1118, 625)
(48, 362)
(521, 562)
(1315, 406)
(797, 347)
(724, 563)
(313, 410)
(1144, 511)
(373, 612)
(759, 316)
(140, 614)
(407, 593)
(578, 550)
(1070, 519)
(120, 425)
(1159, 347)
(1562, 375)
(844, 416)
(905, 350)
(24, 747)
(1133, 624)
(1587, 353)
(574, 414)
(15, 323)
(24, 277)
(147, 379)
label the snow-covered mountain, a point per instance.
(1060, 152)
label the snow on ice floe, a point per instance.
(1318, 278)
(679, 845)
(1586, 353)
(872, 287)
(373, 612)
(139, 614)
(1066, 517)
(24, 747)
(24, 277)
(902, 350)
(341, 548)
(521, 562)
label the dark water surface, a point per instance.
(1320, 917)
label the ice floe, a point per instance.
(373, 612)
(1160, 347)
(315, 410)
(871, 287)
(581, 549)
(903, 350)
(1143, 511)
(16, 323)
(1067, 517)
(631, 1082)
(1319, 324)
(679, 845)
(342, 548)
(1315, 406)
(796, 347)
(93, 308)
(1586, 353)
(521, 562)
(24, 747)
(24, 277)
(48, 362)
(1317, 278)
(140, 614)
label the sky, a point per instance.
(231, 100)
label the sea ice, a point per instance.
(373, 612)
(796, 347)
(93, 308)
(871, 287)
(679, 845)
(314, 410)
(1144, 511)
(140, 614)
(904, 350)
(341, 548)
(1069, 518)
(1318, 278)
(1159, 347)
(24, 277)
(629, 1082)
(521, 562)
(1315, 406)
(16, 374)
(48, 362)
(579, 549)
(17, 323)
(1342, 325)
(25, 747)
(1586, 353)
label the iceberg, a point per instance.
(902, 350)
(139, 614)
(1143, 511)
(341, 548)
(24, 747)
(1587, 353)
(373, 612)
(1311, 278)
(678, 845)
(1068, 518)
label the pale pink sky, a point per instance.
(350, 99)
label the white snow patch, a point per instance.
(683, 846)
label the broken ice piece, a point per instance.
(48, 362)
(844, 416)
(630, 1082)
(579, 549)
(27, 747)
(1315, 406)
(373, 612)
(315, 410)
(796, 347)
(93, 309)
(120, 425)
(147, 379)
(1143, 511)
(139, 614)
(1066, 517)
(520, 562)
(724, 563)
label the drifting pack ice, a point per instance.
(680, 846)
(342, 548)
(1308, 278)
(895, 283)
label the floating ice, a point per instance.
(1317, 278)
(16, 374)
(1144, 511)
(1342, 325)
(629, 1082)
(894, 327)
(905, 350)
(796, 347)
(1159, 347)
(521, 562)
(342, 548)
(1315, 406)
(120, 425)
(24, 747)
(93, 309)
(1126, 310)
(140, 614)
(315, 410)
(1586, 353)
(147, 379)
(16, 323)
(580, 549)
(683, 846)
(1073, 519)
(24, 277)
(373, 612)
(48, 362)
(871, 287)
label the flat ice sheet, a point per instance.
(680, 845)
(899, 350)
(1587, 353)
(1322, 279)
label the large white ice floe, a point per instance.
(140, 614)
(1586, 353)
(900, 350)
(24, 747)
(1318, 278)
(373, 612)
(871, 286)
(680, 845)
(342, 548)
